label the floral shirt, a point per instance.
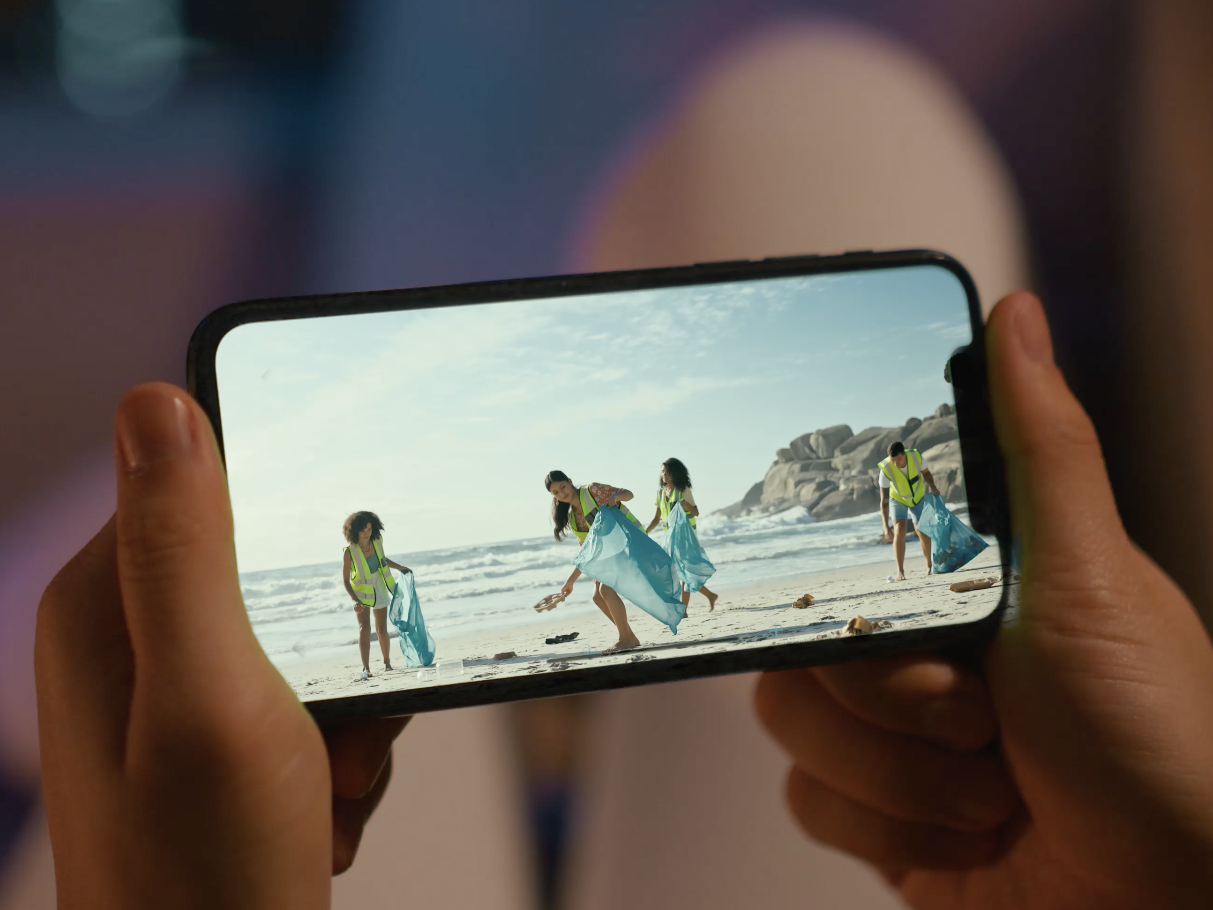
(600, 492)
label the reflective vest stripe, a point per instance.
(907, 488)
(665, 502)
(361, 579)
(588, 507)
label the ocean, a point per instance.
(305, 612)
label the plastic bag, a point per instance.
(953, 543)
(682, 543)
(415, 640)
(621, 556)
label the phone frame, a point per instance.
(980, 457)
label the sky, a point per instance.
(445, 421)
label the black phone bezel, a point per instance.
(985, 484)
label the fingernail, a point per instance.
(1032, 329)
(153, 426)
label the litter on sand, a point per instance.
(561, 639)
(550, 602)
(861, 626)
(504, 655)
(972, 584)
(802, 601)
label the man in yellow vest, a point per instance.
(904, 480)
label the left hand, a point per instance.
(934, 489)
(178, 766)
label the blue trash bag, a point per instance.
(415, 640)
(620, 555)
(953, 543)
(682, 543)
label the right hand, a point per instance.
(567, 589)
(888, 534)
(1099, 791)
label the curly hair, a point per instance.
(678, 473)
(359, 520)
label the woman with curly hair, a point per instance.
(674, 486)
(367, 580)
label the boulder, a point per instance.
(934, 430)
(944, 463)
(910, 426)
(851, 444)
(868, 454)
(802, 448)
(945, 410)
(826, 442)
(810, 494)
(784, 478)
(748, 503)
(944, 455)
(847, 502)
(784, 456)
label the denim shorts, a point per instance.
(897, 510)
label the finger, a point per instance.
(1061, 500)
(900, 776)
(350, 817)
(358, 751)
(918, 695)
(176, 561)
(890, 843)
(82, 660)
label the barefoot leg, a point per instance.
(686, 601)
(899, 547)
(712, 598)
(926, 547)
(601, 602)
(364, 635)
(385, 641)
(627, 638)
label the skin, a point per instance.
(1069, 765)
(178, 768)
(609, 602)
(362, 611)
(897, 534)
(668, 483)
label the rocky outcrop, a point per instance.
(833, 472)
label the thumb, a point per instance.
(176, 559)
(1061, 502)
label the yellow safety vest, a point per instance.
(361, 579)
(588, 506)
(908, 488)
(665, 501)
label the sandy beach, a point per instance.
(744, 617)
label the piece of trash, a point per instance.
(450, 668)
(561, 639)
(861, 626)
(803, 601)
(972, 584)
(890, 578)
(504, 655)
(550, 602)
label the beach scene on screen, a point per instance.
(437, 496)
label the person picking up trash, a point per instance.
(905, 480)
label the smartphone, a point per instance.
(453, 496)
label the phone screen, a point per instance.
(436, 496)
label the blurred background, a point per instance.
(159, 158)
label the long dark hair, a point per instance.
(678, 473)
(560, 510)
(359, 520)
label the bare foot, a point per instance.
(712, 598)
(901, 576)
(624, 644)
